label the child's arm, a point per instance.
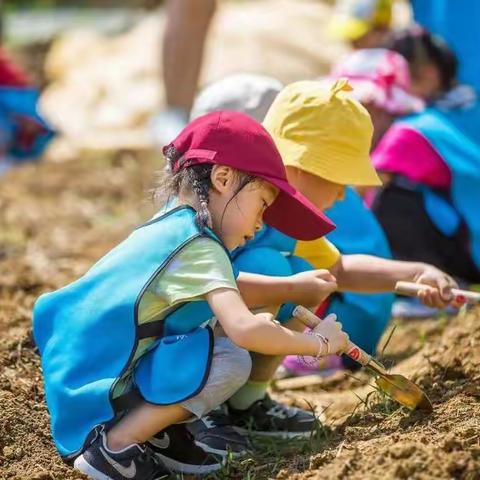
(366, 273)
(306, 288)
(260, 333)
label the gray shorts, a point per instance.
(230, 369)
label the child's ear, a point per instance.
(222, 178)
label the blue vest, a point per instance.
(94, 349)
(364, 316)
(455, 135)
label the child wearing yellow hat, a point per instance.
(324, 137)
(362, 23)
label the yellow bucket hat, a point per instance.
(323, 130)
(353, 19)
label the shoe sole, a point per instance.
(282, 435)
(186, 467)
(83, 466)
(222, 453)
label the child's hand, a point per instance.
(314, 286)
(440, 295)
(332, 331)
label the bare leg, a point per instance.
(183, 43)
(265, 366)
(143, 423)
(263, 369)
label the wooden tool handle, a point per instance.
(310, 320)
(460, 296)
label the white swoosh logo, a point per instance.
(160, 442)
(127, 472)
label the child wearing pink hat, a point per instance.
(421, 175)
(429, 162)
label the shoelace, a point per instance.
(279, 408)
(148, 457)
(216, 418)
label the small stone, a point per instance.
(8, 452)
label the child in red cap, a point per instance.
(128, 350)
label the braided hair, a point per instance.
(195, 179)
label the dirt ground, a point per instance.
(55, 220)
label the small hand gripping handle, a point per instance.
(310, 320)
(459, 296)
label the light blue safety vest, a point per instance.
(95, 351)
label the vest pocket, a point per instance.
(177, 368)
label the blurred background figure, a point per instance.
(249, 93)
(184, 38)
(457, 22)
(24, 134)
(362, 23)
(433, 65)
(431, 165)
(426, 149)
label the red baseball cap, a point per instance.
(237, 140)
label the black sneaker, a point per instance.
(269, 418)
(176, 448)
(136, 462)
(215, 434)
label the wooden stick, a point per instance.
(353, 351)
(460, 296)
(297, 383)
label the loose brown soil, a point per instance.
(56, 219)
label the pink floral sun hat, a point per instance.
(381, 77)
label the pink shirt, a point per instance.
(405, 151)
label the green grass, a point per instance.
(272, 455)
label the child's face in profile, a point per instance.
(322, 193)
(426, 82)
(238, 215)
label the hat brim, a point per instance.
(397, 102)
(343, 27)
(294, 215)
(355, 171)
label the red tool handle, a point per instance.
(310, 320)
(460, 296)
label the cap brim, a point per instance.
(294, 215)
